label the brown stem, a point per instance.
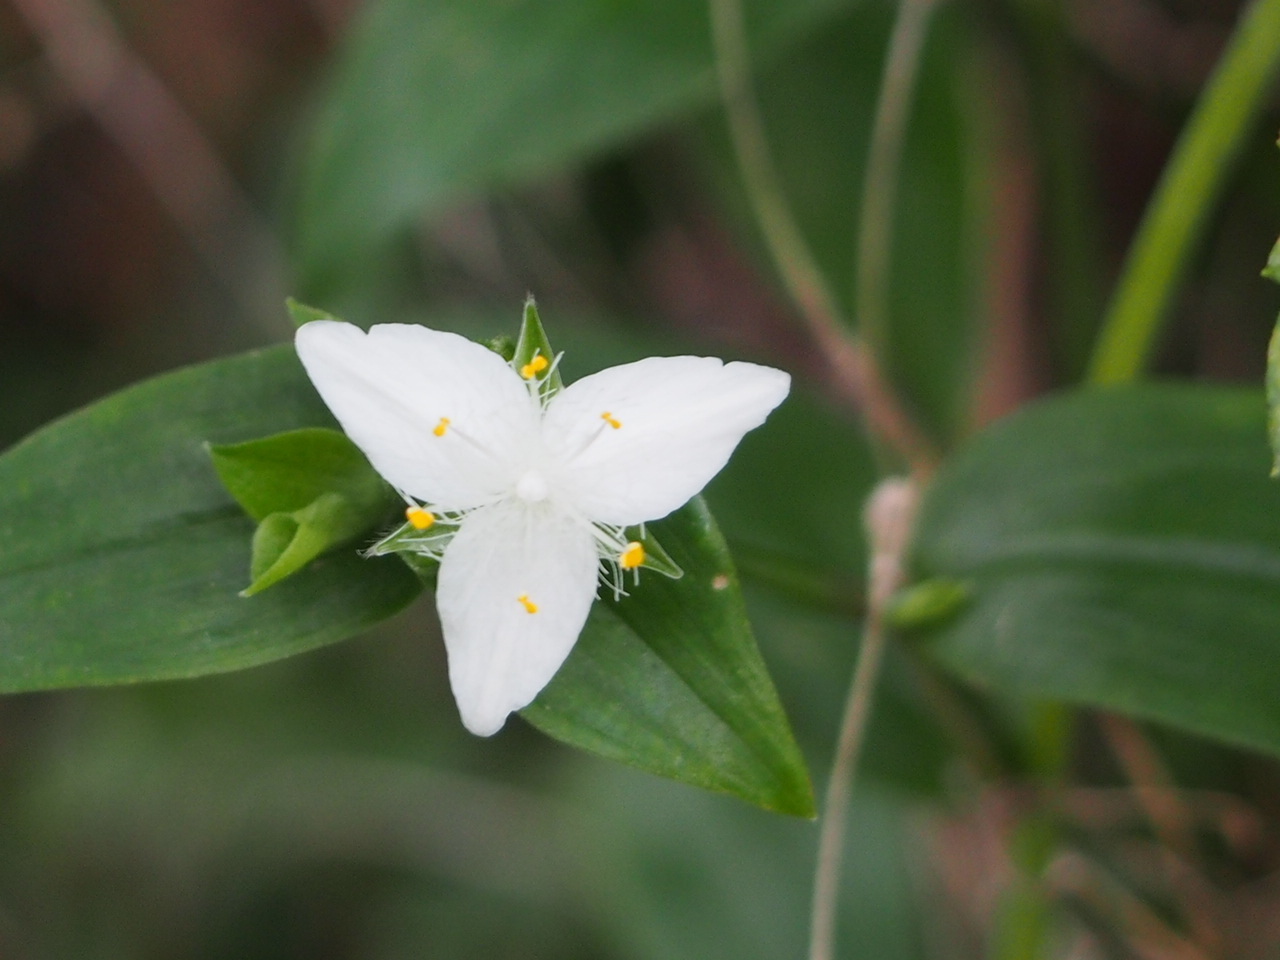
(165, 144)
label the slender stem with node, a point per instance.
(889, 518)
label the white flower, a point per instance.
(540, 487)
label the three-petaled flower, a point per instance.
(539, 488)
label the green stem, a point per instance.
(1186, 193)
(889, 516)
(880, 184)
(855, 368)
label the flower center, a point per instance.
(531, 487)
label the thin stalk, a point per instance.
(880, 182)
(1186, 193)
(855, 370)
(890, 515)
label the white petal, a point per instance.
(502, 558)
(390, 389)
(679, 419)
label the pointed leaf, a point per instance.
(123, 554)
(311, 489)
(322, 525)
(270, 541)
(669, 679)
(1123, 551)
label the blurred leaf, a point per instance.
(124, 555)
(692, 877)
(434, 100)
(311, 490)
(669, 679)
(791, 501)
(811, 656)
(1124, 551)
(926, 604)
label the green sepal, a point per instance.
(310, 490)
(927, 604)
(532, 343)
(655, 557)
(300, 313)
(419, 549)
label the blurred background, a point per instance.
(169, 172)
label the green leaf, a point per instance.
(1123, 548)
(322, 525)
(300, 313)
(124, 555)
(311, 490)
(800, 531)
(435, 100)
(669, 679)
(288, 471)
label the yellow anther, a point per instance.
(534, 367)
(529, 605)
(612, 421)
(633, 556)
(441, 427)
(420, 519)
